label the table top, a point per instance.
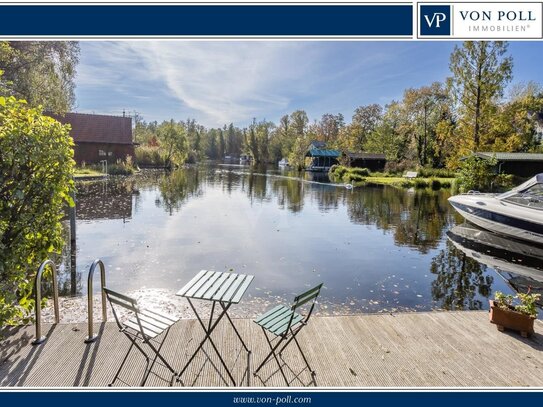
(217, 286)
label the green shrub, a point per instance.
(382, 174)
(360, 171)
(350, 177)
(398, 168)
(119, 169)
(150, 156)
(435, 184)
(436, 172)
(477, 174)
(36, 168)
(338, 170)
(420, 183)
(503, 182)
(446, 184)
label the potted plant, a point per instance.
(518, 317)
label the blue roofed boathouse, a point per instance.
(321, 159)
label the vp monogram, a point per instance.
(437, 18)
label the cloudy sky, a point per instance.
(218, 82)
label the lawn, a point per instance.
(402, 182)
(87, 172)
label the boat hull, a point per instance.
(483, 212)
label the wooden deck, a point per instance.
(444, 349)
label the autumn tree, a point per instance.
(516, 125)
(480, 71)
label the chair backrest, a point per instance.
(123, 301)
(304, 298)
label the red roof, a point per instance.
(96, 128)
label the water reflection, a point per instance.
(461, 282)
(105, 199)
(375, 248)
(520, 264)
(177, 188)
(417, 218)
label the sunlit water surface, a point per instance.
(376, 249)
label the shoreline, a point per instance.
(74, 309)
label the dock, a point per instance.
(427, 349)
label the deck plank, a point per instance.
(432, 349)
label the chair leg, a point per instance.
(269, 354)
(147, 361)
(272, 353)
(303, 356)
(157, 352)
(122, 364)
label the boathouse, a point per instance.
(99, 137)
(520, 164)
(373, 162)
(321, 159)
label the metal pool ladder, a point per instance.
(37, 298)
(92, 337)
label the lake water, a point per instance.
(377, 249)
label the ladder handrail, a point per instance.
(37, 298)
(90, 303)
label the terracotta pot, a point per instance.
(511, 319)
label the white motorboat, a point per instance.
(283, 163)
(517, 213)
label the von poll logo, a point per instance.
(435, 20)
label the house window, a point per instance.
(101, 153)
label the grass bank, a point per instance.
(362, 176)
(87, 173)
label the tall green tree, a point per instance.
(173, 141)
(390, 137)
(329, 127)
(424, 108)
(365, 120)
(299, 122)
(222, 143)
(41, 72)
(480, 71)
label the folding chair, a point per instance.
(141, 326)
(284, 323)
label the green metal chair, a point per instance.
(284, 323)
(142, 326)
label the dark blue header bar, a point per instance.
(206, 20)
(270, 399)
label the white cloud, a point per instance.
(216, 82)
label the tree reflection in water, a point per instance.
(321, 236)
(417, 219)
(176, 188)
(460, 281)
